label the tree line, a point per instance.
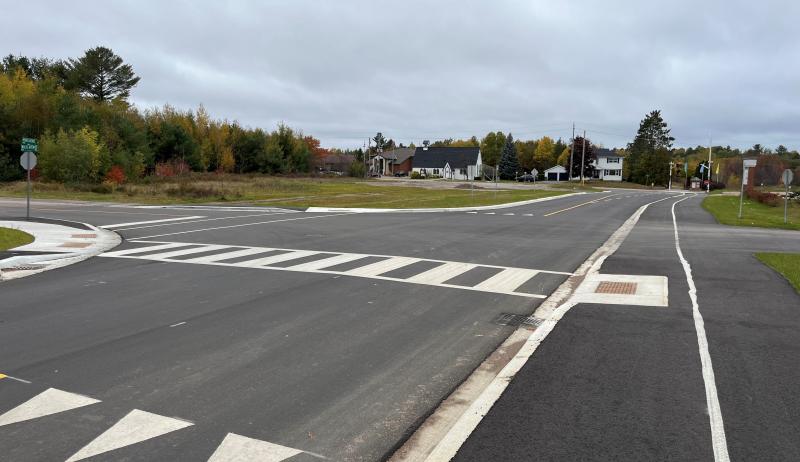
(87, 130)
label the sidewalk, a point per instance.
(56, 243)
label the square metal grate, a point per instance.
(510, 319)
(618, 288)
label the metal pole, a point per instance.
(583, 156)
(28, 207)
(741, 193)
(495, 181)
(571, 150)
(786, 203)
(708, 186)
(670, 176)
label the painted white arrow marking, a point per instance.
(134, 428)
(237, 448)
(50, 401)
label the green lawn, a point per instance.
(10, 238)
(279, 191)
(726, 210)
(788, 264)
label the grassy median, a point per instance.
(10, 238)
(280, 191)
(726, 210)
(788, 264)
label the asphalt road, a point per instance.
(345, 365)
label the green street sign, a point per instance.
(29, 145)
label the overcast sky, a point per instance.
(343, 70)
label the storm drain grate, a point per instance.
(84, 236)
(619, 288)
(515, 320)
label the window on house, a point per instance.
(463, 171)
(613, 172)
(612, 160)
(436, 171)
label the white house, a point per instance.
(607, 165)
(555, 173)
(461, 163)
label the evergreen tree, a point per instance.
(649, 152)
(509, 164)
(588, 157)
(101, 74)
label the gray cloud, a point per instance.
(414, 70)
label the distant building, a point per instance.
(396, 161)
(460, 163)
(555, 173)
(339, 163)
(607, 165)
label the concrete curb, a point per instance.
(444, 209)
(57, 245)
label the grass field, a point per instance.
(726, 210)
(788, 264)
(10, 238)
(277, 191)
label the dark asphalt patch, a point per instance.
(474, 276)
(412, 269)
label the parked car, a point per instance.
(526, 178)
(400, 174)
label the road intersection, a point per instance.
(308, 335)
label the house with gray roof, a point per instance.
(461, 163)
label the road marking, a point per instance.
(266, 261)
(237, 448)
(16, 378)
(441, 448)
(168, 245)
(177, 324)
(245, 224)
(134, 428)
(381, 267)
(442, 273)
(133, 223)
(326, 262)
(2, 376)
(472, 213)
(506, 281)
(226, 255)
(265, 214)
(527, 214)
(48, 402)
(718, 439)
(579, 205)
(507, 214)
(178, 253)
(488, 213)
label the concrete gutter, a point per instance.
(443, 209)
(55, 245)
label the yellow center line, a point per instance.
(579, 205)
(2, 376)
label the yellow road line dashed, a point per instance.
(2, 376)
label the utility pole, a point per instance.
(571, 150)
(583, 156)
(708, 186)
(670, 175)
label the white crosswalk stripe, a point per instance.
(50, 401)
(237, 448)
(434, 273)
(134, 428)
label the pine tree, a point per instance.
(509, 164)
(649, 152)
(588, 157)
(101, 74)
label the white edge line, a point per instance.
(193, 220)
(718, 439)
(551, 311)
(243, 224)
(133, 223)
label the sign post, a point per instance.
(787, 178)
(28, 161)
(746, 164)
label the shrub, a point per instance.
(416, 176)
(766, 198)
(357, 169)
(70, 156)
(115, 175)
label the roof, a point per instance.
(437, 157)
(603, 152)
(398, 155)
(556, 168)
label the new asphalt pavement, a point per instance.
(344, 361)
